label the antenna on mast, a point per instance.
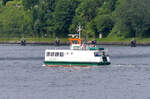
(79, 29)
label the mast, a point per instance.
(79, 30)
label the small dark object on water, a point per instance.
(23, 42)
(133, 43)
(57, 42)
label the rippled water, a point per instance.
(22, 75)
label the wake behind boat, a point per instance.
(80, 54)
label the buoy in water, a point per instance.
(57, 42)
(23, 42)
(133, 43)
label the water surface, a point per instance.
(22, 75)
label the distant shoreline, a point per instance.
(64, 41)
(67, 43)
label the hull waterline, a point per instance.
(74, 64)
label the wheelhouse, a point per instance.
(75, 43)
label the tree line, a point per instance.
(58, 18)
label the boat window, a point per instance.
(56, 53)
(96, 54)
(52, 53)
(67, 53)
(75, 42)
(76, 47)
(61, 54)
(48, 54)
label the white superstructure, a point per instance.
(74, 56)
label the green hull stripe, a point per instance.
(76, 63)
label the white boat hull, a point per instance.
(74, 57)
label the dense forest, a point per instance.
(58, 18)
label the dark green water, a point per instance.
(22, 75)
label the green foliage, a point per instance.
(64, 12)
(107, 7)
(132, 17)
(29, 4)
(5, 1)
(104, 25)
(51, 18)
(14, 21)
(42, 18)
(85, 14)
(88, 9)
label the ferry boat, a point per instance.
(80, 54)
